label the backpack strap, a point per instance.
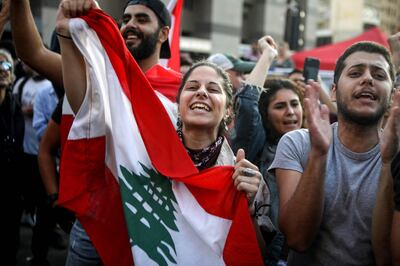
(20, 88)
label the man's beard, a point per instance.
(360, 119)
(146, 47)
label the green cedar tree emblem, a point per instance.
(149, 210)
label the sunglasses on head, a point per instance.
(5, 66)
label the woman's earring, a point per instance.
(224, 126)
(179, 126)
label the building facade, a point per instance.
(210, 26)
(341, 19)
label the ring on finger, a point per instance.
(248, 172)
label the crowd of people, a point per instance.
(320, 167)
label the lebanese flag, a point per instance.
(175, 8)
(128, 177)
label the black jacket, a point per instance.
(11, 131)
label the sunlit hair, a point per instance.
(9, 59)
(368, 47)
(226, 86)
(272, 86)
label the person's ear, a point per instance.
(333, 92)
(163, 35)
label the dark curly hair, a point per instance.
(272, 86)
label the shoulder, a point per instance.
(292, 151)
(164, 80)
(159, 70)
(45, 83)
(299, 136)
(294, 145)
(18, 83)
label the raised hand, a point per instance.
(76, 8)
(70, 9)
(268, 50)
(317, 117)
(301, 85)
(267, 44)
(246, 177)
(5, 11)
(4, 15)
(394, 43)
(390, 136)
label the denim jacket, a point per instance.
(248, 132)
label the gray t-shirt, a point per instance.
(351, 184)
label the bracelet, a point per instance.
(63, 36)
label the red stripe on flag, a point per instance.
(175, 61)
(165, 81)
(90, 190)
(241, 247)
(66, 123)
(215, 192)
(85, 158)
(106, 205)
(164, 147)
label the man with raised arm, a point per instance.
(145, 27)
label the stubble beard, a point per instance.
(361, 119)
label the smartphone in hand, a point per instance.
(311, 68)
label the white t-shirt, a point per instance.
(31, 88)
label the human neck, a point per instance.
(149, 62)
(198, 139)
(2, 95)
(358, 138)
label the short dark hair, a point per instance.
(226, 86)
(158, 7)
(272, 86)
(368, 47)
(295, 71)
(161, 24)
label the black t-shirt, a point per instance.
(396, 180)
(57, 113)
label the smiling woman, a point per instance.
(204, 100)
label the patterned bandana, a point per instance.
(205, 158)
